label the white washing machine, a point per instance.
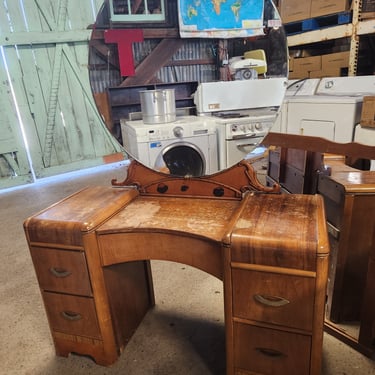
(185, 147)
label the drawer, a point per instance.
(269, 352)
(61, 270)
(72, 314)
(285, 300)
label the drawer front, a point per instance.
(286, 300)
(61, 271)
(72, 314)
(269, 352)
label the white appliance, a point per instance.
(366, 136)
(185, 147)
(240, 133)
(332, 112)
(294, 88)
(243, 111)
(330, 117)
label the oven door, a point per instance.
(239, 148)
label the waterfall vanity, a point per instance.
(92, 252)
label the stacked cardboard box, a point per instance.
(368, 112)
(298, 10)
(368, 9)
(324, 7)
(294, 10)
(329, 65)
(301, 67)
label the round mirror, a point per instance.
(189, 88)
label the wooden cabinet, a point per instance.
(295, 170)
(349, 198)
(63, 249)
(91, 253)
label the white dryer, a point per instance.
(330, 109)
(185, 147)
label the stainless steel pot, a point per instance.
(158, 106)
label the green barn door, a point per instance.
(45, 47)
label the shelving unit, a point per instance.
(353, 30)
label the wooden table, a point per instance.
(91, 253)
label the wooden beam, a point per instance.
(105, 53)
(166, 33)
(317, 144)
(160, 55)
(45, 37)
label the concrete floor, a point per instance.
(183, 334)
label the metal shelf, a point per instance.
(351, 30)
(366, 27)
(321, 35)
(334, 32)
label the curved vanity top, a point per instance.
(200, 217)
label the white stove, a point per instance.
(239, 136)
(244, 112)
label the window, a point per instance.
(137, 10)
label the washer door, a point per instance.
(182, 159)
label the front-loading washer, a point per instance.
(185, 147)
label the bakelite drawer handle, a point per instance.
(270, 352)
(59, 272)
(272, 301)
(71, 316)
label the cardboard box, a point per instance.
(336, 60)
(368, 112)
(368, 9)
(324, 7)
(325, 73)
(302, 66)
(291, 64)
(368, 5)
(294, 10)
(307, 64)
(298, 75)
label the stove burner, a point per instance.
(230, 114)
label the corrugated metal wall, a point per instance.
(45, 91)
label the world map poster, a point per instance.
(220, 18)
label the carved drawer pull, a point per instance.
(272, 301)
(270, 352)
(70, 315)
(59, 272)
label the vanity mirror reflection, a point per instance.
(349, 199)
(189, 103)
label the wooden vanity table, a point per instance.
(91, 253)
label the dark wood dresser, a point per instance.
(349, 197)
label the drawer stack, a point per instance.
(62, 244)
(65, 284)
(278, 272)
